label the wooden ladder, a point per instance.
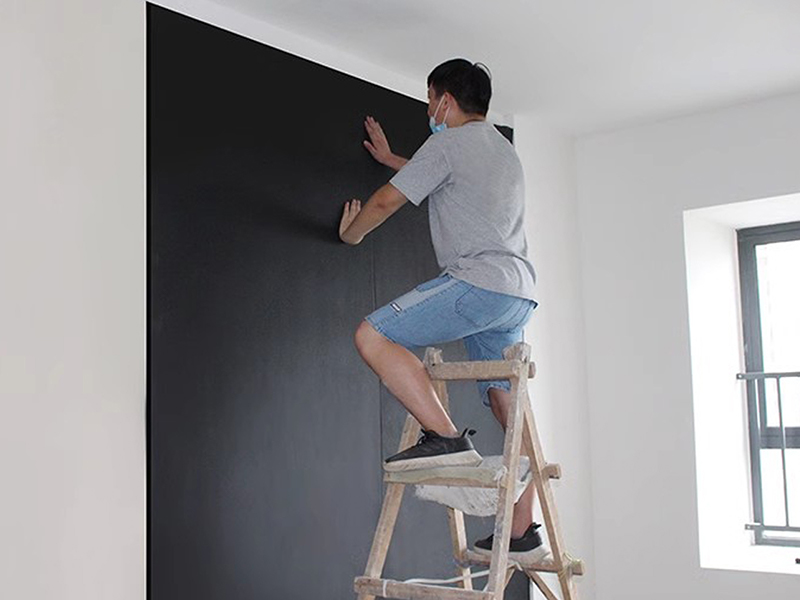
(521, 435)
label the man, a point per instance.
(473, 180)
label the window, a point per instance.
(769, 266)
(727, 534)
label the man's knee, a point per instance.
(365, 336)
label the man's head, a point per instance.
(459, 85)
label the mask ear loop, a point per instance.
(436, 112)
(447, 112)
(438, 106)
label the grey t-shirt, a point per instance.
(474, 183)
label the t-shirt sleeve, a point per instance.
(426, 172)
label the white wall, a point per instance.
(720, 415)
(632, 188)
(72, 311)
(556, 331)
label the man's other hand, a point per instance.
(351, 210)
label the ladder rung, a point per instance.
(388, 588)
(548, 565)
(486, 369)
(483, 477)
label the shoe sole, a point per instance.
(537, 554)
(467, 458)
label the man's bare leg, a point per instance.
(523, 510)
(406, 377)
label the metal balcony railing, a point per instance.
(763, 436)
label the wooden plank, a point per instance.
(487, 369)
(455, 518)
(458, 537)
(478, 559)
(389, 512)
(388, 588)
(533, 448)
(544, 566)
(483, 477)
(517, 355)
(445, 481)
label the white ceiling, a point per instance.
(586, 66)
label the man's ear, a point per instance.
(450, 101)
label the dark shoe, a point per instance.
(433, 450)
(529, 547)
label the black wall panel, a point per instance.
(264, 426)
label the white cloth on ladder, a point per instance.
(480, 502)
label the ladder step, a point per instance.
(488, 369)
(547, 565)
(483, 477)
(388, 588)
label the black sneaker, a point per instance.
(434, 450)
(529, 547)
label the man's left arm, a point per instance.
(357, 222)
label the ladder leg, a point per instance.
(389, 512)
(383, 533)
(533, 448)
(458, 535)
(455, 518)
(505, 499)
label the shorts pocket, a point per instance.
(480, 307)
(524, 314)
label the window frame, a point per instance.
(759, 434)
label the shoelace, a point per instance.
(424, 437)
(428, 434)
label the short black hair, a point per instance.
(469, 83)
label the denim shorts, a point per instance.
(446, 309)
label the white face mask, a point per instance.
(432, 121)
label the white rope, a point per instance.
(511, 563)
(451, 580)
